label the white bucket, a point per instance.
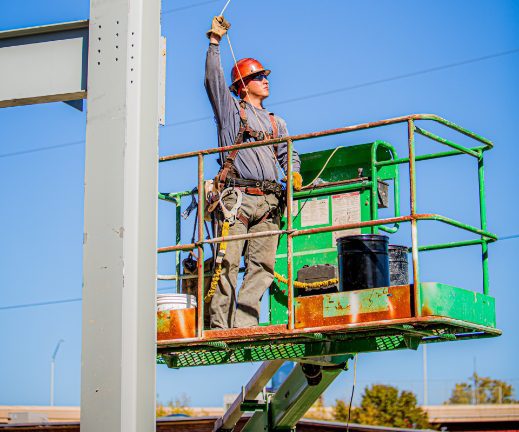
(175, 301)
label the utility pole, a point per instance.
(52, 365)
(425, 383)
(475, 386)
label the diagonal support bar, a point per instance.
(295, 396)
(251, 390)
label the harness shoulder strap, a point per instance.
(240, 137)
(273, 122)
(229, 160)
(275, 132)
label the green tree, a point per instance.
(482, 390)
(340, 410)
(318, 411)
(179, 405)
(384, 405)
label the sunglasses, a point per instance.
(259, 77)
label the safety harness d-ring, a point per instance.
(230, 215)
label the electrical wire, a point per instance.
(510, 237)
(352, 391)
(54, 147)
(48, 303)
(368, 83)
(398, 77)
(310, 96)
(182, 8)
(513, 236)
(54, 302)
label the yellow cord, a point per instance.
(218, 270)
(310, 285)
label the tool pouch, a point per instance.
(211, 194)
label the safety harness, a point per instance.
(245, 132)
(227, 182)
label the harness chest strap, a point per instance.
(240, 137)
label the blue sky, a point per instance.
(334, 63)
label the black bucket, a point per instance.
(398, 265)
(363, 262)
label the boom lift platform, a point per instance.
(377, 319)
(349, 186)
(320, 330)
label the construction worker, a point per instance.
(253, 172)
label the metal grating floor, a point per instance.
(297, 346)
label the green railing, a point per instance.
(485, 236)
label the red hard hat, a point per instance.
(244, 68)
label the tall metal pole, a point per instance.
(475, 386)
(425, 383)
(120, 235)
(52, 366)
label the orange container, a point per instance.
(176, 324)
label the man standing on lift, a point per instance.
(254, 172)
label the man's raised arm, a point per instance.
(215, 85)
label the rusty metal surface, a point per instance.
(180, 247)
(353, 307)
(414, 227)
(352, 225)
(200, 261)
(386, 221)
(244, 332)
(346, 129)
(290, 252)
(281, 332)
(176, 324)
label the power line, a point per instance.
(57, 146)
(399, 77)
(370, 83)
(182, 8)
(513, 236)
(509, 237)
(310, 96)
(53, 302)
(48, 303)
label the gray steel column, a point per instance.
(119, 285)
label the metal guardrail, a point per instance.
(457, 149)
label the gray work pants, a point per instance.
(260, 256)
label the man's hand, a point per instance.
(219, 27)
(297, 181)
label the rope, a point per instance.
(218, 269)
(307, 285)
(225, 7)
(352, 391)
(324, 166)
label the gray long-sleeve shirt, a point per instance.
(253, 163)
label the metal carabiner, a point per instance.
(230, 215)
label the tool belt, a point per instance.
(255, 187)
